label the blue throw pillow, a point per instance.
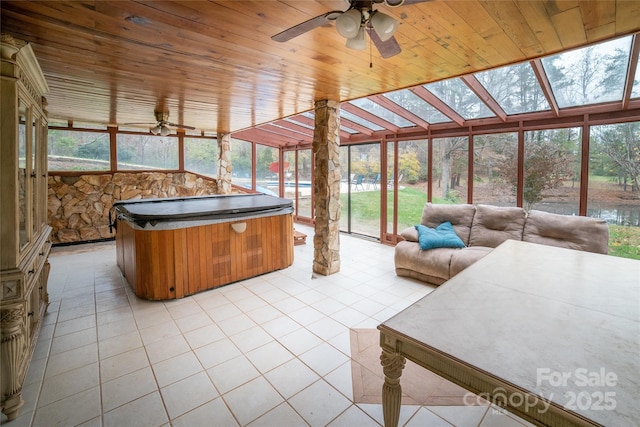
(442, 236)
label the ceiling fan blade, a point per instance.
(309, 25)
(387, 48)
(396, 3)
(175, 125)
(146, 124)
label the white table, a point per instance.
(550, 334)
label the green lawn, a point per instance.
(623, 241)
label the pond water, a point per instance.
(628, 215)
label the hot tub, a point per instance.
(171, 248)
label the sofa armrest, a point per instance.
(410, 234)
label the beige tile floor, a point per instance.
(269, 351)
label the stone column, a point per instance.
(326, 191)
(224, 164)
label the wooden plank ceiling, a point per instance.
(213, 64)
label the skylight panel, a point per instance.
(460, 98)
(380, 111)
(359, 120)
(295, 122)
(589, 75)
(342, 127)
(418, 106)
(515, 88)
(348, 130)
(286, 128)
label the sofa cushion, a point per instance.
(493, 225)
(572, 232)
(432, 280)
(442, 236)
(467, 256)
(434, 263)
(460, 217)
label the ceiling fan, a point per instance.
(353, 23)
(162, 125)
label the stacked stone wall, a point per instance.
(78, 205)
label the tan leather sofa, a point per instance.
(482, 228)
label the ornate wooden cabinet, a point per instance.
(24, 233)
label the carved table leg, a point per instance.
(392, 365)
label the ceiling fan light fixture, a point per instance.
(357, 42)
(155, 130)
(164, 131)
(384, 25)
(348, 24)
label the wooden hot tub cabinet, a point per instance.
(171, 248)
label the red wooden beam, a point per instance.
(266, 138)
(538, 69)
(294, 127)
(286, 132)
(485, 96)
(631, 70)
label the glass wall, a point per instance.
(551, 170)
(450, 169)
(345, 181)
(614, 184)
(141, 151)
(241, 166)
(614, 173)
(305, 190)
(493, 156)
(268, 169)
(390, 227)
(78, 150)
(360, 189)
(289, 178)
(201, 156)
(413, 166)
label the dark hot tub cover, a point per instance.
(201, 208)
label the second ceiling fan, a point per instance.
(359, 19)
(161, 127)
